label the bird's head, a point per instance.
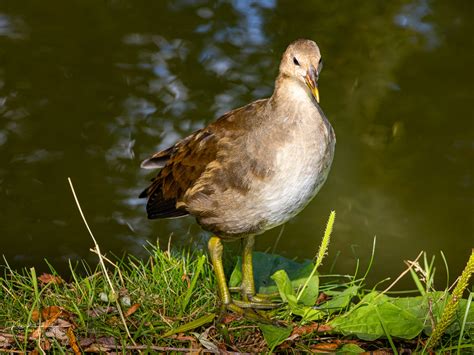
(302, 61)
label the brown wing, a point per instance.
(181, 164)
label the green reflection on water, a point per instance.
(88, 89)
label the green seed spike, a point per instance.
(323, 248)
(450, 309)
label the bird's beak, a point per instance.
(311, 79)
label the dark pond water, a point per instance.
(90, 88)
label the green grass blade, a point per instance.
(190, 290)
(191, 325)
(446, 267)
(463, 325)
(387, 334)
(372, 256)
(417, 281)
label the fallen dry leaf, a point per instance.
(307, 329)
(96, 348)
(73, 341)
(322, 298)
(51, 311)
(304, 329)
(48, 312)
(45, 344)
(35, 315)
(185, 277)
(5, 342)
(57, 333)
(84, 342)
(182, 337)
(46, 324)
(97, 311)
(48, 278)
(323, 328)
(325, 347)
(132, 309)
(229, 318)
(107, 341)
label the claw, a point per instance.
(255, 305)
(248, 313)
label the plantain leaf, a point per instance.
(364, 319)
(265, 265)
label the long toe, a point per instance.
(249, 313)
(256, 304)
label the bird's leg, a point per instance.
(215, 251)
(247, 287)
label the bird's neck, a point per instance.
(291, 92)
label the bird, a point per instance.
(252, 169)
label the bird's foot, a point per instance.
(256, 300)
(256, 297)
(250, 313)
(256, 303)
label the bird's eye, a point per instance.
(296, 61)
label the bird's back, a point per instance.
(208, 151)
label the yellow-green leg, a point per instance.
(215, 251)
(247, 287)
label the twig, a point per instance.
(101, 261)
(282, 229)
(111, 263)
(402, 274)
(164, 348)
(9, 351)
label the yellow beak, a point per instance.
(311, 82)
(315, 93)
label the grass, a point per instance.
(163, 287)
(168, 302)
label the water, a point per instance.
(90, 88)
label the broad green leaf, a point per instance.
(311, 292)
(307, 313)
(350, 348)
(236, 276)
(340, 299)
(265, 265)
(287, 294)
(425, 307)
(364, 322)
(284, 286)
(274, 335)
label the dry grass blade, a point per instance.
(402, 274)
(101, 261)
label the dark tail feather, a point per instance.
(158, 207)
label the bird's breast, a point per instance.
(301, 167)
(278, 172)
